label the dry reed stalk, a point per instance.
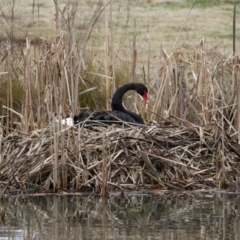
(206, 83)
(104, 190)
(107, 49)
(28, 111)
(223, 178)
(134, 54)
(9, 88)
(176, 81)
(148, 76)
(112, 69)
(1, 137)
(201, 80)
(212, 97)
(234, 30)
(57, 27)
(182, 89)
(38, 86)
(157, 107)
(237, 84)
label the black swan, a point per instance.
(118, 113)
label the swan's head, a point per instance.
(143, 92)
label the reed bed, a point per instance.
(191, 138)
(98, 159)
(190, 141)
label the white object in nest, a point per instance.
(66, 121)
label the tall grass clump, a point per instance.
(197, 86)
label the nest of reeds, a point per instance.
(165, 155)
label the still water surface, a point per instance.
(166, 216)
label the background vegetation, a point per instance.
(58, 57)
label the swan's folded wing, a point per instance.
(114, 117)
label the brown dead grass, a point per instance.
(162, 156)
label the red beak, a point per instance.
(145, 97)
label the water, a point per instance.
(167, 216)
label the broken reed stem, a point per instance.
(104, 190)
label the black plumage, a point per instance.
(118, 113)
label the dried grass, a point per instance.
(163, 156)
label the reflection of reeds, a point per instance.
(62, 217)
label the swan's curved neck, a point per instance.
(117, 101)
(118, 96)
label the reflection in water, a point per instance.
(169, 216)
